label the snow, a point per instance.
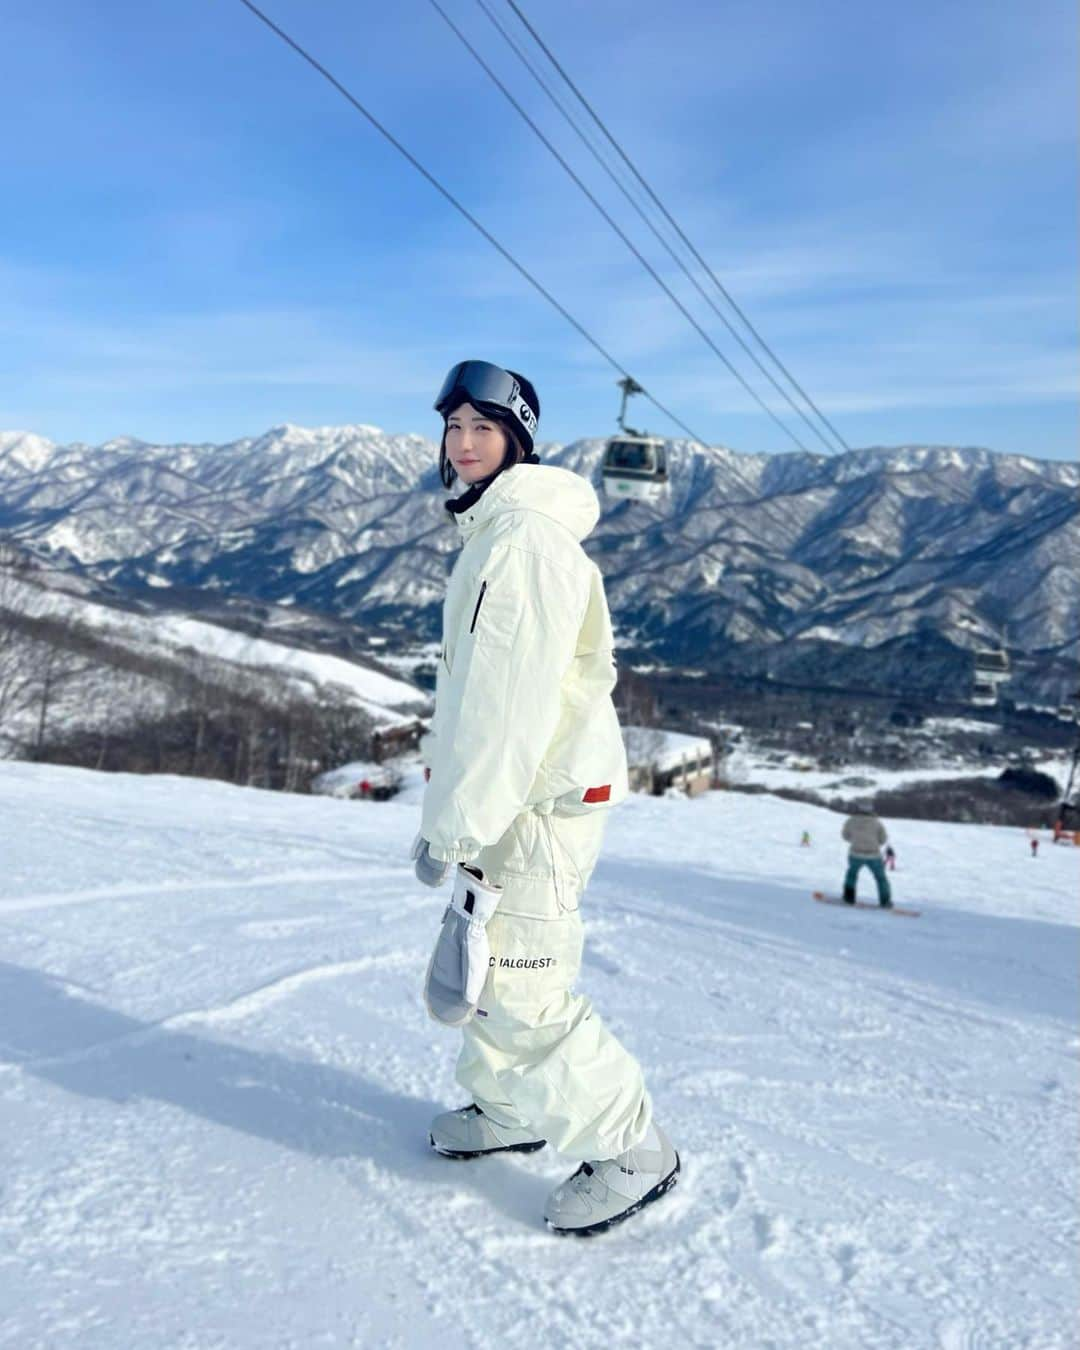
(26, 450)
(664, 750)
(934, 726)
(745, 765)
(370, 687)
(85, 546)
(216, 1077)
(377, 693)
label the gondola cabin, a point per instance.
(635, 467)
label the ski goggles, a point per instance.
(481, 382)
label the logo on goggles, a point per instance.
(524, 413)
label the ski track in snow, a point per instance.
(49, 901)
(216, 1077)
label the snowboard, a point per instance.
(824, 899)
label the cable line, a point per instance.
(445, 193)
(617, 228)
(508, 39)
(830, 448)
(671, 220)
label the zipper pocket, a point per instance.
(479, 602)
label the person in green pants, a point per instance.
(866, 837)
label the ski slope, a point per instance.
(216, 1077)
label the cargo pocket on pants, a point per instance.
(566, 878)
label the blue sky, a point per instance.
(199, 239)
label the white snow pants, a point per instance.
(535, 1053)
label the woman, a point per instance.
(525, 758)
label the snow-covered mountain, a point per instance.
(177, 639)
(875, 565)
(78, 659)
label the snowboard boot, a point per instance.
(468, 1133)
(849, 897)
(602, 1194)
(885, 903)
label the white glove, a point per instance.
(459, 963)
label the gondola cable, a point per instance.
(679, 262)
(462, 210)
(671, 220)
(621, 233)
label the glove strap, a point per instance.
(474, 897)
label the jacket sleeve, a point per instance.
(845, 833)
(883, 837)
(499, 706)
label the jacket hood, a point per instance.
(556, 493)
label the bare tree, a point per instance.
(52, 669)
(637, 702)
(39, 653)
(18, 651)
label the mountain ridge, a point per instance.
(772, 559)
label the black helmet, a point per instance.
(502, 394)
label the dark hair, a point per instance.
(515, 451)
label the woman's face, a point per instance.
(475, 445)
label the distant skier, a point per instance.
(804, 842)
(526, 758)
(1034, 845)
(865, 834)
(890, 858)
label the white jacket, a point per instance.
(523, 711)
